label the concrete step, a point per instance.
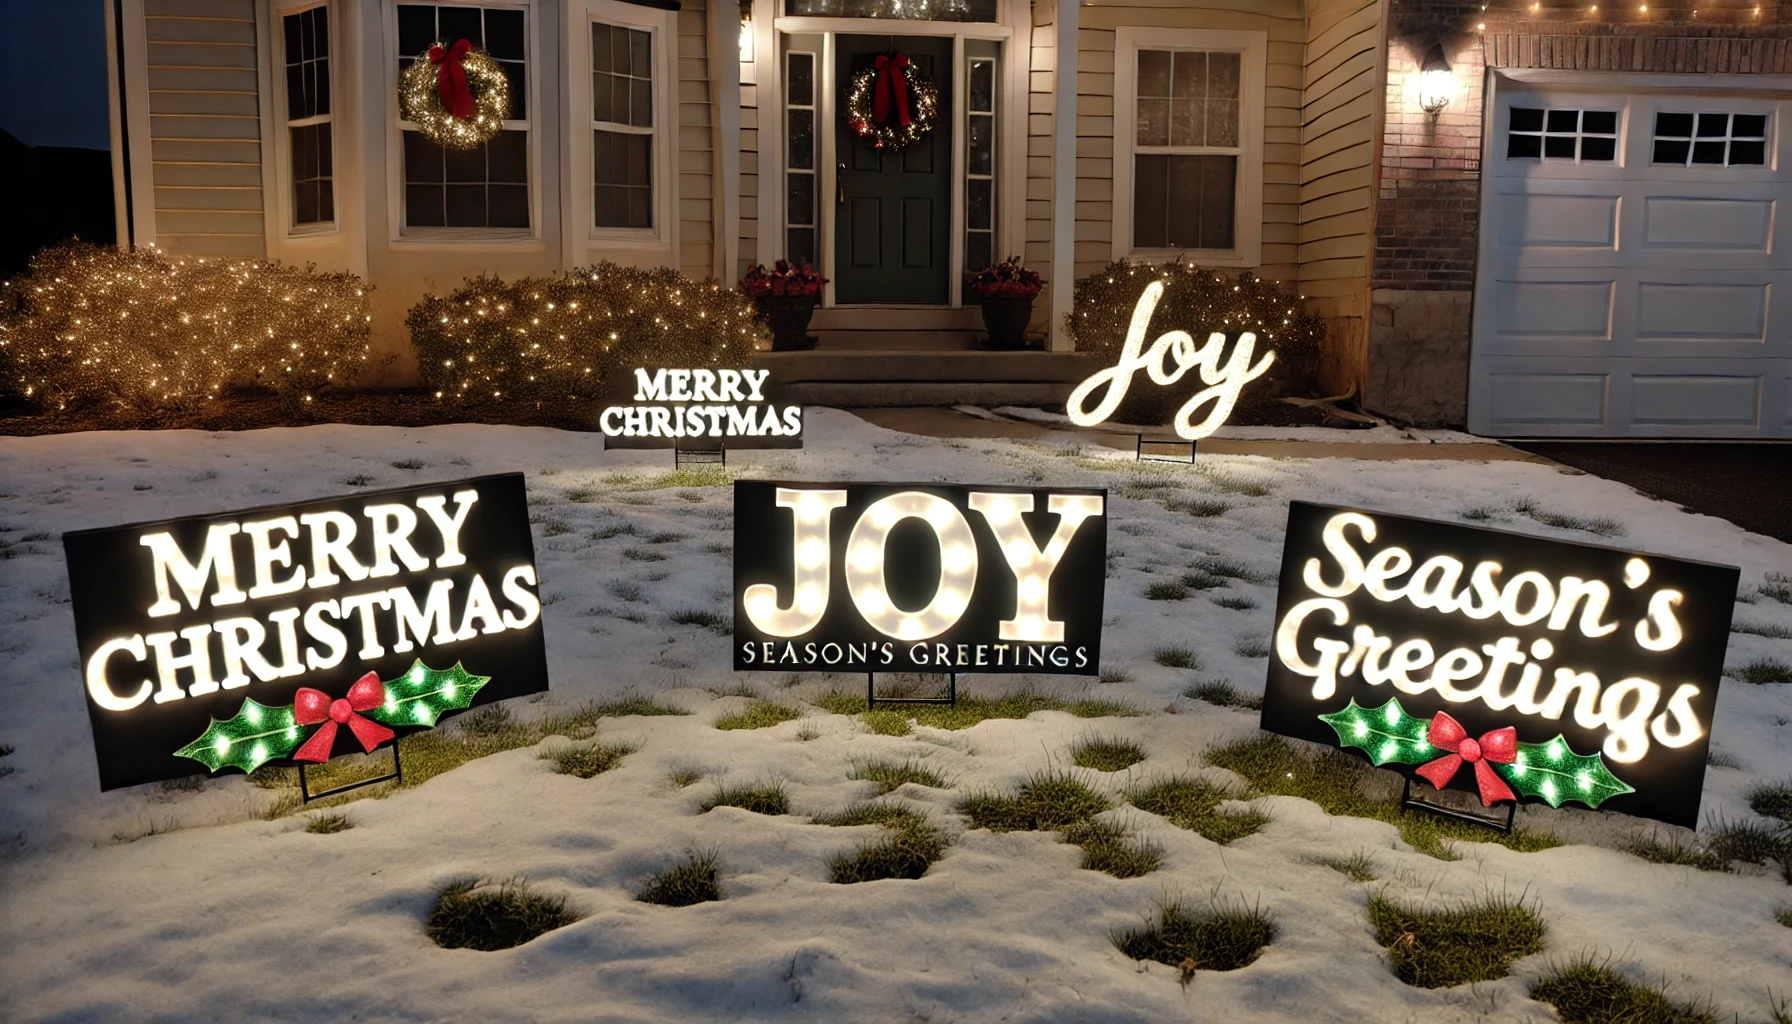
(850, 395)
(897, 341)
(1029, 367)
(897, 318)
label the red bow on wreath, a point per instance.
(313, 706)
(892, 85)
(451, 78)
(1499, 746)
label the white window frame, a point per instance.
(282, 134)
(1247, 231)
(586, 241)
(462, 239)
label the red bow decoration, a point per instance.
(451, 78)
(313, 706)
(1500, 746)
(892, 85)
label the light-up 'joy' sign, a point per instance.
(693, 409)
(1509, 665)
(1171, 357)
(918, 577)
(246, 630)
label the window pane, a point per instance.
(1708, 152)
(600, 47)
(326, 201)
(508, 206)
(1154, 73)
(640, 102)
(802, 80)
(464, 165)
(978, 210)
(1714, 126)
(983, 88)
(620, 61)
(504, 34)
(1564, 120)
(600, 97)
(982, 144)
(1222, 75)
(304, 202)
(320, 31)
(1599, 122)
(1189, 75)
(1149, 196)
(640, 160)
(1558, 147)
(1673, 125)
(977, 251)
(802, 138)
(1219, 178)
(801, 194)
(294, 27)
(1525, 119)
(1748, 126)
(1222, 122)
(1188, 121)
(423, 206)
(601, 142)
(640, 53)
(422, 159)
(456, 23)
(1750, 154)
(799, 245)
(466, 206)
(1668, 151)
(507, 156)
(321, 94)
(296, 107)
(416, 29)
(1154, 122)
(1524, 147)
(609, 206)
(640, 212)
(1598, 150)
(519, 93)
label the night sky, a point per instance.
(53, 72)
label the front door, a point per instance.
(893, 208)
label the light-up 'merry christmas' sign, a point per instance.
(282, 632)
(918, 577)
(1507, 665)
(1168, 360)
(695, 409)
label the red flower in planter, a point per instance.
(782, 279)
(1006, 280)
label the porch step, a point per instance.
(897, 328)
(896, 341)
(941, 378)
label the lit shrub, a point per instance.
(552, 340)
(92, 325)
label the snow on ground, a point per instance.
(223, 916)
(1379, 433)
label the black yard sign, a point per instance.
(1509, 666)
(281, 633)
(918, 578)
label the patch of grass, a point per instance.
(1200, 508)
(1198, 580)
(582, 495)
(1047, 801)
(840, 702)
(1749, 842)
(888, 723)
(358, 480)
(907, 851)
(1777, 586)
(1479, 514)
(719, 547)
(682, 777)
(715, 622)
(1675, 849)
(1223, 936)
(555, 528)
(1251, 648)
(1358, 867)
(1175, 657)
(758, 797)
(695, 879)
(1476, 940)
(1719, 759)
(1223, 694)
(1600, 525)
(1272, 766)
(970, 710)
(1784, 916)
(1093, 707)
(1591, 991)
(808, 731)
(1110, 848)
(588, 760)
(328, 824)
(579, 722)
(1761, 671)
(692, 476)
(1770, 630)
(1236, 602)
(761, 714)
(665, 537)
(1114, 675)
(643, 555)
(1232, 483)
(1106, 754)
(739, 688)
(1227, 569)
(609, 530)
(892, 775)
(411, 464)
(472, 914)
(1769, 800)
(1166, 590)
(488, 721)
(1193, 804)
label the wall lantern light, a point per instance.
(1437, 83)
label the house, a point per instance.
(1407, 166)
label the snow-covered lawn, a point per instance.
(217, 914)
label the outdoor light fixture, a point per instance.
(1437, 83)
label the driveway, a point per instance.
(1748, 484)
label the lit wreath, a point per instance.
(457, 96)
(878, 107)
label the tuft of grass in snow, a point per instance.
(328, 824)
(643, 555)
(1166, 590)
(715, 622)
(758, 797)
(1587, 990)
(1769, 799)
(1232, 483)
(1227, 569)
(1770, 630)
(1236, 602)
(358, 480)
(1193, 804)
(588, 760)
(1111, 848)
(689, 477)
(1719, 759)
(969, 711)
(1199, 580)
(739, 688)
(892, 775)
(613, 530)
(1760, 671)
(1114, 675)
(1675, 849)
(582, 495)
(1047, 801)
(1600, 525)
(1175, 657)
(1777, 586)
(626, 590)
(1358, 867)
(1480, 513)
(472, 914)
(1222, 693)
(761, 714)
(1476, 940)
(411, 464)
(1200, 508)
(555, 528)
(1251, 648)
(1272, 766)
(695, 879)
(1106, 754)
(1750, 842)
(1223, 936)
(909, 848)
(1784, 916)
(579, 722)
(682, 777)
(665, 537)
(888, 723)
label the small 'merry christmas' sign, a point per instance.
(284, 632)
(1510, 666)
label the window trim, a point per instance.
(282, 131)
(583, 236)
(1252, 47)
(462, 239)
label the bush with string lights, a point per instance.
(1200, 302)
(96, 327)
(548, 342)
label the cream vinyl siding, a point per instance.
(696, 145)
(204, 127)
(749, 154)
(1341, 102)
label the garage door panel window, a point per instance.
(1562, 133)
(1710, 139)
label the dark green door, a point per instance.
(893, 209)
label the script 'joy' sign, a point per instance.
(918, 577)
(1510, 666)
(281, 633)
(700, 409)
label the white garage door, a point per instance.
(1635, 273)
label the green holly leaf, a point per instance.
(1386, 733)
(421, 695)
(1553, 772)
(258, 734)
